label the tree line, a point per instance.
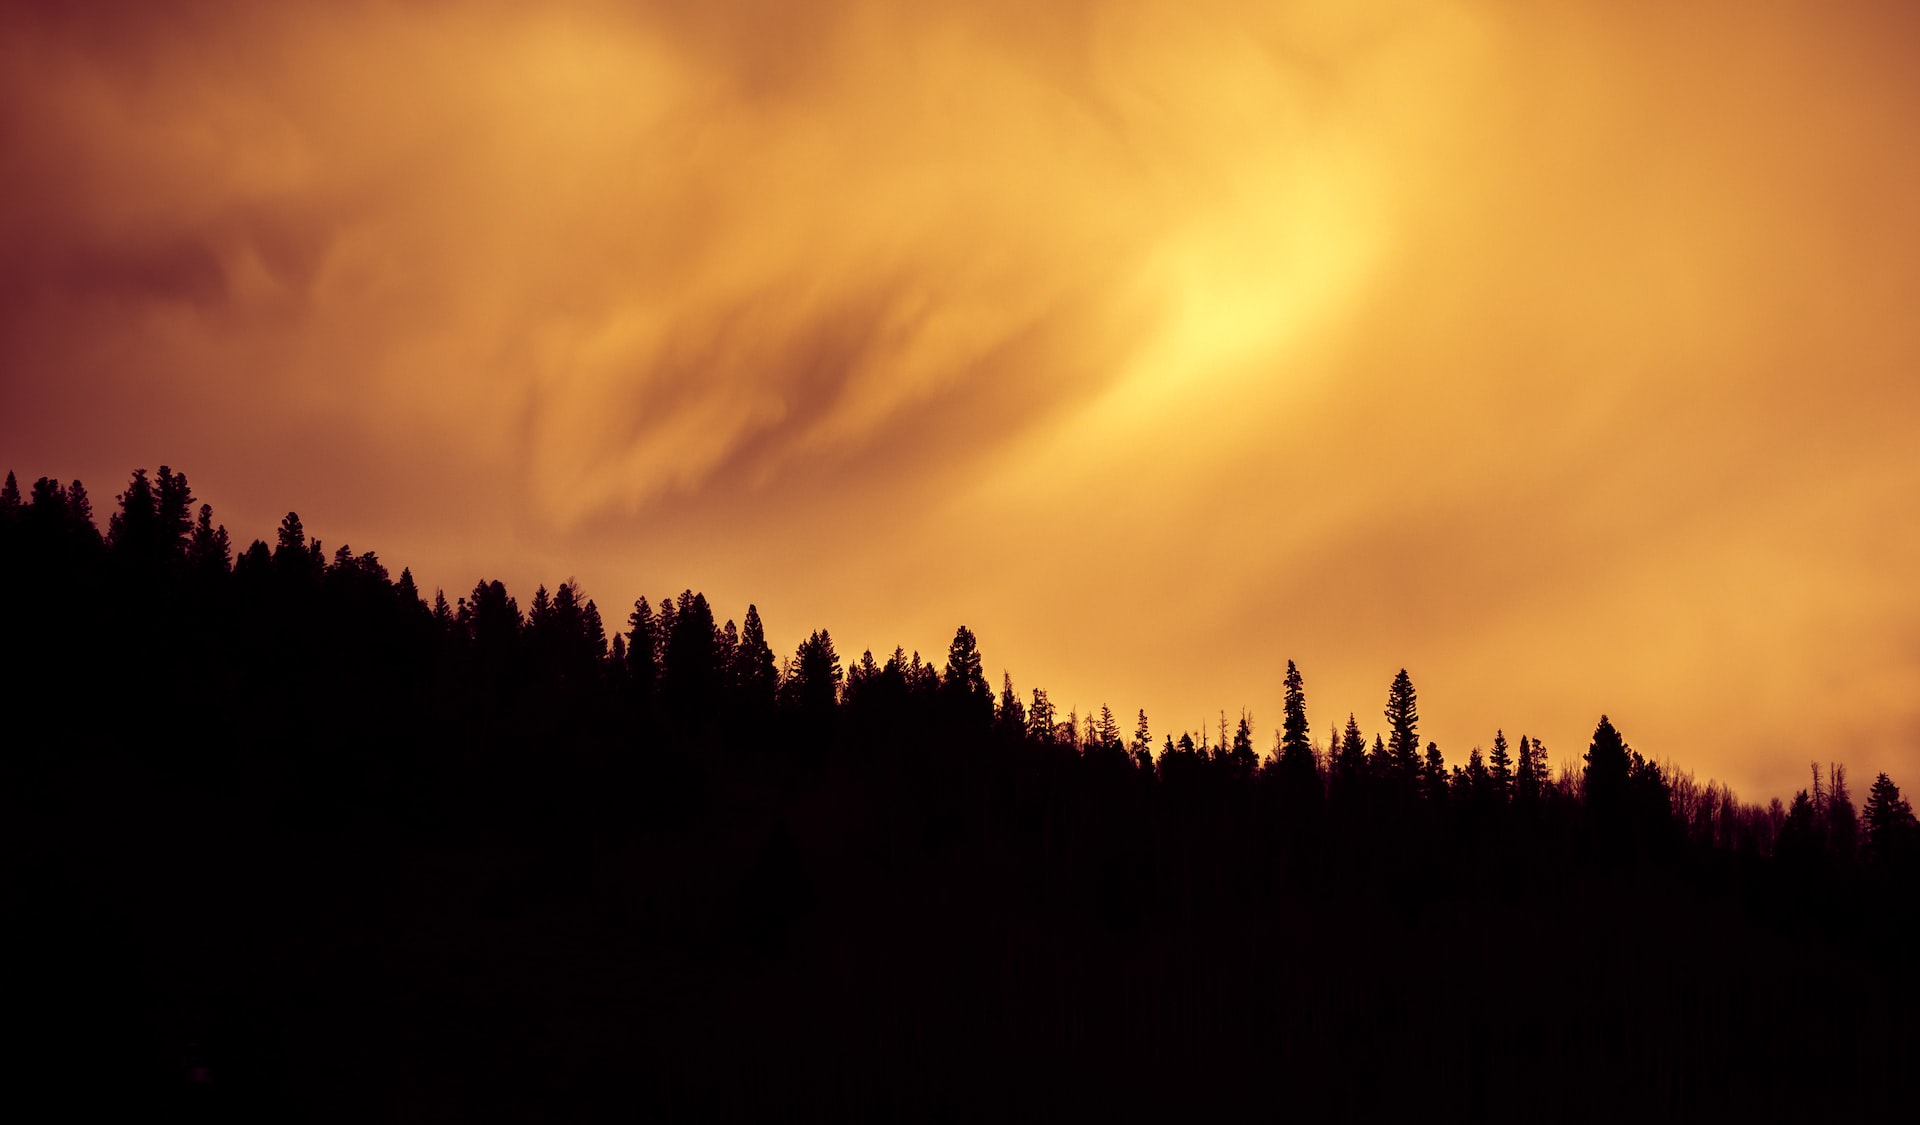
(675, 675)
(302, 699)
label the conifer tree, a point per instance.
(1528, 773)
(593, 632)
(80, 512)
(1607, 768)
(1403, 719)
(1477, 782)
(1142, 748)
(173, 508)
(1889, 822)
(643, 651)
(1011, 717)
(408, 591)
(969, 699)
(1800, 838)
(1040, 718)
(1500, 768)
(1241, 754)
(690, 680)
(1353, 751)
(134, 529)
(754, 670)
(1296, 749)
(209, 549)
(814, 677)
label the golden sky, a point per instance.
(1564, 354)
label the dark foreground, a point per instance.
(816, 953)
(283, 840)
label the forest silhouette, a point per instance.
(290, 839)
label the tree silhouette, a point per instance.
(969, 699)
(813, 687)
(691, 677)
(753, 665)
(1889, 823)
(1241, 754)
(1500, 769)
(645, 647)
(1352, 763)
(11, 505)
(1040, 719)
(1296, 750)
(134, 530)
(1606, 771)
(1142, 745)
(173, 510)
(1010, 717)
(209, 549)
(1403, 718)
(1529, 774)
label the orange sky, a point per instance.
(1563, 354)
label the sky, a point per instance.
(1562, 354)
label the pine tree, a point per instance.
(1296, 748)
(293, 555)
(1528, 774)
(643, 652)
(690, 680)
(173, 508)
(1889, 822)
(1142, 743)
(209, 549)
(408, 591)
(1011, 718)
(1800, 838)
(814, 679)
(1040, 718)
(754, 670)
(593, 632)
(134, 529)
(80, 514)
(1500, 768)
(1242, 754)
(11, 506)
(1607, 769)
(1403, 719)
(1353, 751)
(969, 699)
(1477, 782)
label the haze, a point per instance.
(1561, 354)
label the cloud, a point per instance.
(1560, 355)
